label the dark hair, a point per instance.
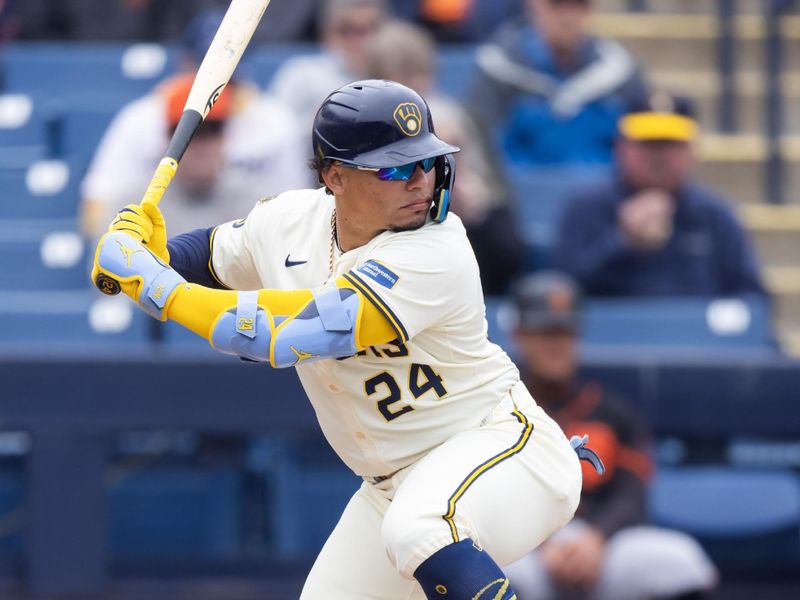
(319, 165)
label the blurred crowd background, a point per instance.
(630, 182)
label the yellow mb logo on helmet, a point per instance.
(408, 117)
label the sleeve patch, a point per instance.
(379, 273)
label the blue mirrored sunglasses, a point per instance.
(403, 172)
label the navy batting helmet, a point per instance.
(380, 124)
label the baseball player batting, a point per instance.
(372, 292)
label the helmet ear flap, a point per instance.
(445, 178)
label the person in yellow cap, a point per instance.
(652, 230)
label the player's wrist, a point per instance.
(157, 294)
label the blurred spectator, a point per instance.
(8, 20)
(604, 553)
(652, 230)
(345, 28)
(249, 147)
(459, 20)
(138, 20)
(8, 29)
(550, 93)
(405, 53)
(106, 19)
(288, 21)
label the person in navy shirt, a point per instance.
(651, 229)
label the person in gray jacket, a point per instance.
(550, 93)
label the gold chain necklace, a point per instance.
(333, 240)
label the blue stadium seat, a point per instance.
(456, 70)
(747, 519)
(12, 507)
(176, 513)
(49, 256)
(47, 189)
(679, 323)
(53, 70)
(72, 319)
(25, 128)
(540, 194)
(659, 326)
(498, 319)
(80, 129)
(42, 255)
(19, 157)
(308, 488)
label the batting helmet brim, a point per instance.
(404, 151)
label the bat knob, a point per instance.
(107, 285)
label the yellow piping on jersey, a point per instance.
(373, 326)
(482, 468)
(381, 306)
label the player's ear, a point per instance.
(334, 178)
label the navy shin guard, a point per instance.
(462, 571)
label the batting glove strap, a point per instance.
(153, 298)
(245, 333)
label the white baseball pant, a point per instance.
(505, 485)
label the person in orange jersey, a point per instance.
(606, 552)
(226, 169)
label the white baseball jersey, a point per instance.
(388, 406)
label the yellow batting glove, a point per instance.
(144, 223)
(158, 239)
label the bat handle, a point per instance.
(155, 191)
(161, 179)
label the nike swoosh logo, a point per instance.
(293, 263)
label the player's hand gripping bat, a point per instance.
(215, 71)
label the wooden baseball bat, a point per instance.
(215, 72)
